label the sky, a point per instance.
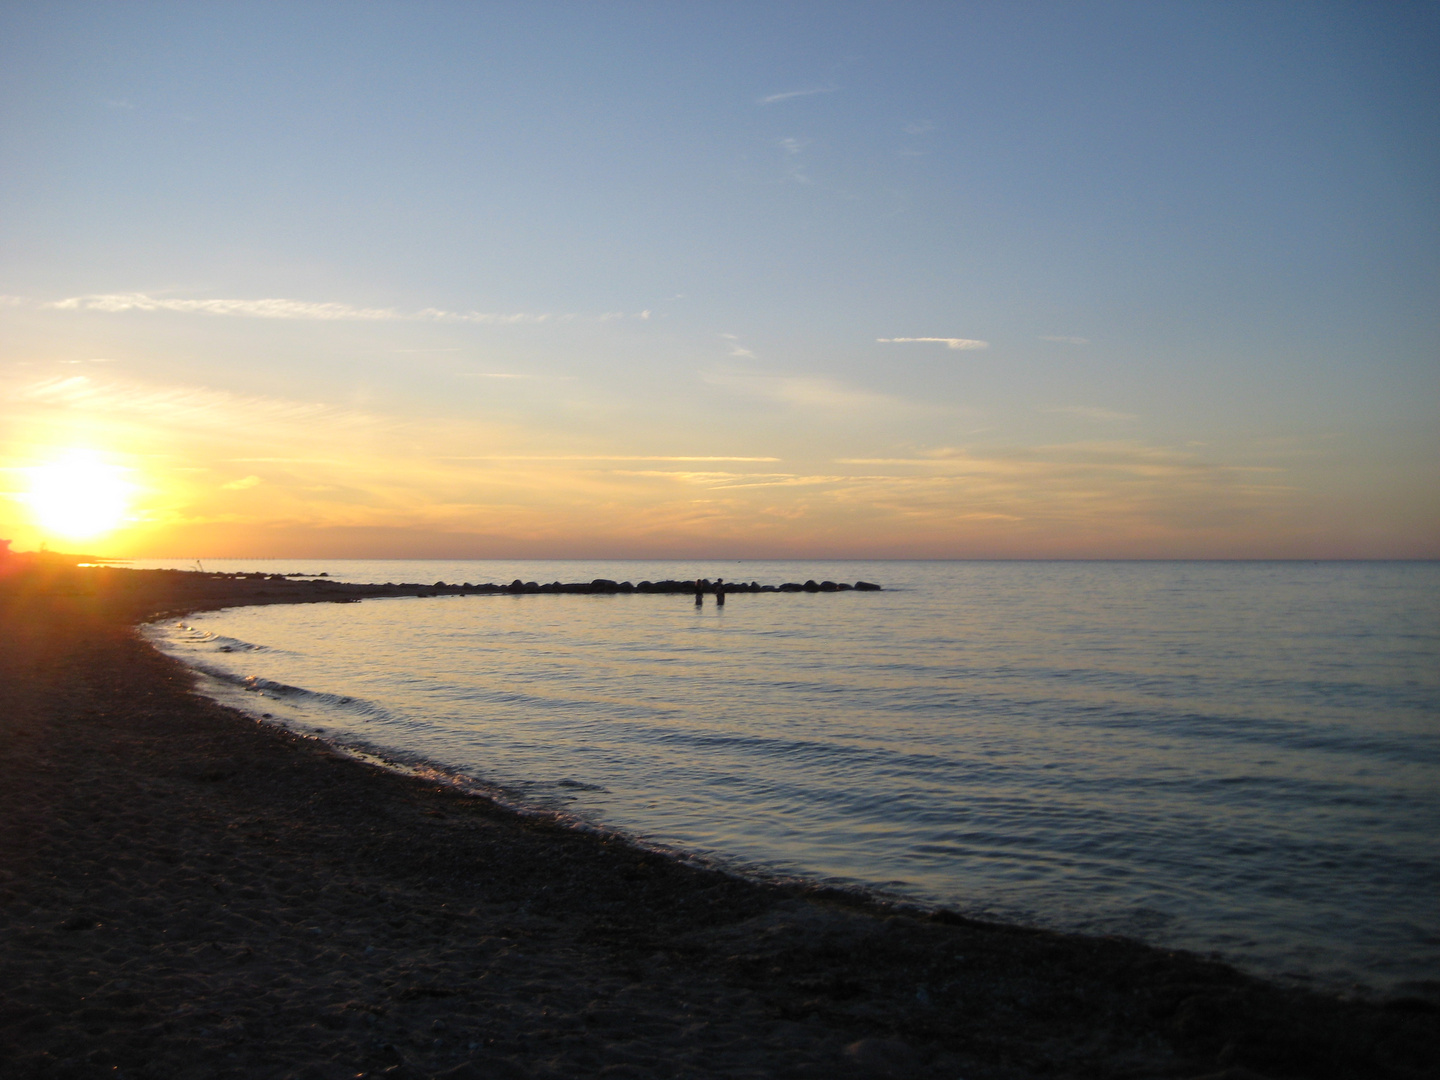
(724, 280)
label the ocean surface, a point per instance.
(1238, 758)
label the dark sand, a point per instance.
(185, 893)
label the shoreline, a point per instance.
(184, 891)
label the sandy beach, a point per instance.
(187, 893)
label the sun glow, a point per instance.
(79, 496)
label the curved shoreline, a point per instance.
(184, 889)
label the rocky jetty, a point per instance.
(185, 590)
(605, 585)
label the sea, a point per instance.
(1241, 759)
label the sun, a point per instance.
(79, 495)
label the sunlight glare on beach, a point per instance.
(79, 495)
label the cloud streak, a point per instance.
(182, 407)
(599, 457)
(732, 480)
(787, 95)
(1127, 458)
(948, 342)
(807, 391)
(322, 311)
(793, 150)
(1085, 412)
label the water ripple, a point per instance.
(1242, 757)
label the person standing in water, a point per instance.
(720, 592)
(699, 591)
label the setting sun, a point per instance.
(79, 496)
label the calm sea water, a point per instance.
(1232, 757)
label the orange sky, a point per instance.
(207, 474)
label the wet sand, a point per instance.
(186, 893)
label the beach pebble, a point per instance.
(322, 1070)
(882, 1057)
(486, 1067)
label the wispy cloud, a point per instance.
(731, 480)
(918, 127)
(181, 407)
(1115, 457)
(786, 95)
(793, 150)
(890, 461)
(1086, 412)
(243, 484)
(1065, 340)
(948, 342)
(806, 391)
(601, 457)
(1097, 487)
(1087, 489)
(325, 311)
(737, 350)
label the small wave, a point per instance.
(299, 695)
(1291, 735)
(186, 634)
(577, 785)
(224, 644)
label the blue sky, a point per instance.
(461, 267)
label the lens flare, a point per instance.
(79, 496)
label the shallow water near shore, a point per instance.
(1231, 757)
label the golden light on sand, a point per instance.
(79, 495)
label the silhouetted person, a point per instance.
(720, 591)
(699, 591)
